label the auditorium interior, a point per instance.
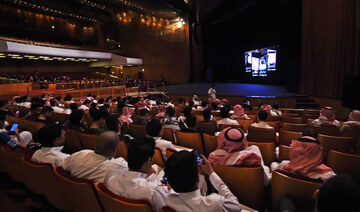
(201, 68)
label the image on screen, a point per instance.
(260, 62)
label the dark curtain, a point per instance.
(329, 46)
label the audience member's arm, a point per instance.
(21, 141)
(230, 201)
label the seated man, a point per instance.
(224, 113)
(85, 105)
(339, 193)
(98, 164)
(67, 109)
(239, 113)
(262, 115)
(203, 106)
(134, 184)
(354, 120)
(268, 109)
(181, 170)
(326, 118)
(45, 115)
(233, 150)
(170, 121)
(190, 124)
(17, 141)
(154, 130)
(55, 106)
(98, 124)
(75, 121)
(143, 117)
(34, 112)
(52, 139)
(306, 156)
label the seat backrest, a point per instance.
(137, 131)
(169, 152)
(294, 120)
(168, 135)
(41, 180)
(190, 140)
(72, 142)
(158, 158)
(88, 141)
(293, 127)
(246, 183)
(267, 151)
(344, 163)
(208, 127)
(309, 121)
(273, 118)
(284, 153)
(342, 144)
(83, 196)
(35, 126)
(275, 125)
(245, 123)
(353, 132)
(301, 191)
(327, 130)
(60, 117)
(285, 137)
(210, 143)
(114, 203)
(11, 163)
(257, 134)
(223, 126)
(122, 149)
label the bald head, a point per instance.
(107, 143)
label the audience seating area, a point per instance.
(247, 183)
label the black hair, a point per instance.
(101, 101)
(58, 98)
(339, 193)
(53, 102)
(181, 170)
(3, 103)
(224, 112)
(2, 115)
(47, 134)
(112, 123)
(310, 132)
(144, 112)
(214, 105)
(170, 111)
(153, 127)
(86, 102)
(204, 103)
(139, 151)
(73, 106)
(206, 114)
(99, 114)
(67, 98)
(46, 109)
(89, 95)
(190, 120)
(76, 116)
(93, 105)
(275, 106)
(187, 110)
(262, 114)
(35, 105)
(191, 103)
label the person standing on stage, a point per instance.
(212, 93)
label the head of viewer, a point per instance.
(262, 114)
(224, 112)
(206, 114)
(107, 144)
(170, 111)
(140, 153)
(113, 123)
(154, 128)
(51, 135)
(181, 170)
(310, 132)
(190, 120)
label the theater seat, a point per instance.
(246, 183)
(327, 130)
(168, 135)
(72, 142)
(158, 158)
(284, 153)
(344, 163)
(257, 134)
(81, 191)
(169, 152)
(294, 127)
(210, 143)
(122, 150)
(208, 127)
(137, 131)
(190, 140)
(267, 151)
(342, 144)
(88, 141)
(115, 203)
(293, 120)
(285, 137)
(245, 123)
(299, 190)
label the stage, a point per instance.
(228, 89)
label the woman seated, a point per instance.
(306, 158)
(239, 113)
(233, 150)
(326, 118)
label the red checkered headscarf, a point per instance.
(306, 158)
(328, 113)
(267, 108)
(239, 111)
(126, 114)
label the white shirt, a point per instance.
(212, 94)
(193, 201)
(83, 107)
(262, 124)
(51, 155)
(227, 121)
(26, 104)
(200, 108)
(350, 123)
(89, 165)
(163, 145)
(67, 111)
(57, 109)
(134, 185)
(324, 121)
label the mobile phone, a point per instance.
(164, 180)
(199, 159)
(17, 112)
(211, 117)
(13, 127)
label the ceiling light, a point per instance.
(29, 56)
(2, 56)
(14, 55)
